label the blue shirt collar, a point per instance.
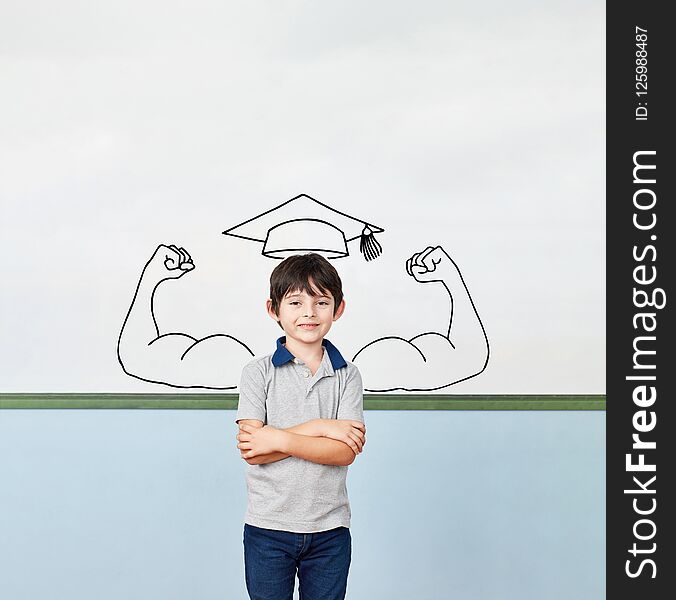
(283, 356)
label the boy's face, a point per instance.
(305, 318)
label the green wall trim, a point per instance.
(371, 401)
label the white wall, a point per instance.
(474, 126)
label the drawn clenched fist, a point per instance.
(432, 264)
(168, 262)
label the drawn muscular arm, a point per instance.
(175, 359)
(430, 360)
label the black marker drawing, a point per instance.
(174, 359)
(430, 361)
(304, 224)
(426, 362)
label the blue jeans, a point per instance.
(271, 559)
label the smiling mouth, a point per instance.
(309, 325)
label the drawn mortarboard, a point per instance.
(304, 224)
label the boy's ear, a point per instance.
(268, 306)
(340, 310)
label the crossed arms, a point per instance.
(324, 441)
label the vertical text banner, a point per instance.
(640, 332)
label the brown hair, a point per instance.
(294, 274)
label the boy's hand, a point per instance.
(352, 433)
(254, 441)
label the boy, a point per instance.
(301, 424)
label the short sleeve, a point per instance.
(252, 394)
(351, 404)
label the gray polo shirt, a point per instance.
(293, 494)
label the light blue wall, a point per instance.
(148, 505)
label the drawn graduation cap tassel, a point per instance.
(368, 244)
(304, 224)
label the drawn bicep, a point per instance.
(393, 363)
(179, 360)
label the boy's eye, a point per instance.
(323, 303)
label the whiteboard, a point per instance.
(468, 130)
